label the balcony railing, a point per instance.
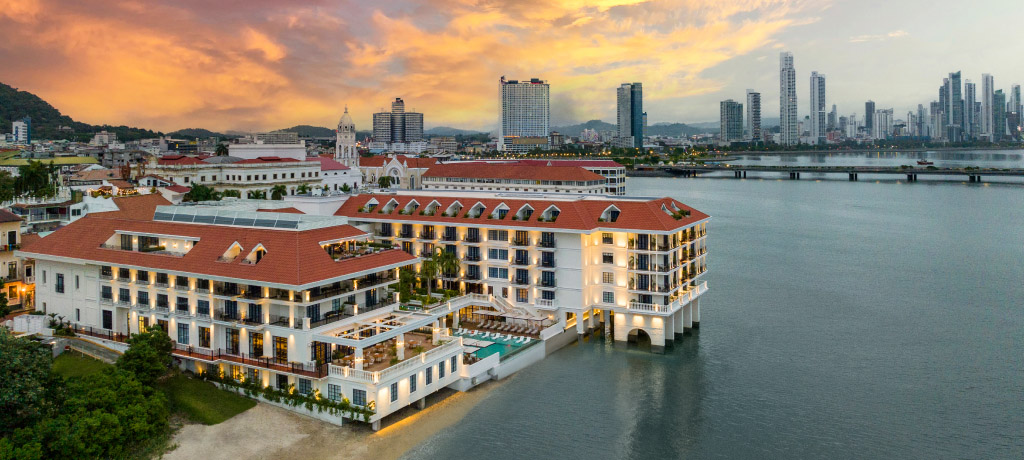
(163, 310)
(520, 281)
(427, 235)
(471, 239)
(227, 315)
(546, 243)
(233, 356)
(521, 261)
(545, 303)
(449, 237)
(520, 241)
(404, 234)
(179, 312)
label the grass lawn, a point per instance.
(203, 402)
(74, 364)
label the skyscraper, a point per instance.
(22, 130)
(525, 114)
(883, 120)
(731, 121)
(754, 115)
(833, 119)
(398, 126)
(787, 100)
(1014, 108)
(970, 117)
(630, 112)
(998, 115)
(954, 108)
(987, 89)
(818, 108)
(869, 117)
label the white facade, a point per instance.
(243, 176)
(345, 144)
(255, 151)
(788, 123)
(753, 122)
(525, 113)
(20, 132)
(818, 127)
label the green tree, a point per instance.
(345, 188)
(148, 355)
(36, 179)
(302, 189)
(385, 181)
(406, 282)
(278, 192)
(447, 262)
(429, 272)
(200, 192)
(25, 366)
(232, 194)
(7, 182)
(257, 195)
(222, 150)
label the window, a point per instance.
(204, 337)
(359, 397)
(522, 296)
(76, 282)
(142, 298)
(497, 273)
(203, 307)
(497, 235)
(497, 254)
(124, 273)
(78, 315)
(440, 370)
(282, 382)
(108, 319)
(608, 278)
(334, 392)
(608, 297)
(429, 375)
(142, 276)
(547, 279)
(106, 293)
(547, 295)
(44, 276)
(454, 362)
(607, 238)
(607, 258)
(412, 383)
(254, 375)
(161, 278)
(181, 304)
(161, 301)
(60, 284)
(124, 295)
(394, 392)
(183, 334)
(305, 386)
(126, 242)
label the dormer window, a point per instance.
(610, 214)
(500, 212)
(411, 207)
(392, 204)
(524, 213)
(369, 206)
(256, 255)
(476, 211)
(454, 209)
(431, 208)
(232, 253)
(550, 214)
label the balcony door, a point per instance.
(281, 349)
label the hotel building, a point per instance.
(525, 115)
(512, 178)
(259, 292)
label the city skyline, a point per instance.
(268, 66)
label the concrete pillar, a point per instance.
(688, 316)
(669, 331)
(455, 320)
(621, 328)
(400, 347)
(422, 403)
(580, 327)
(375, 426)
(657, 341)
(359, 359)
(677, 323)
(591, 321)
(696, 313)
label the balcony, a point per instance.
(179, 312)
(520, 241)
(107, 300)
(203, 314)
(162, 310)
(181, 287)
(550, 283)
(106, 276)
(471, 239)
(449, 237)
(521, 281)
(523, 261)
(428, 235)
(546, 243)
(124, 303)
(226, 290)
(9, 247)
(160, 284)
(472, 257)
(227, 315)
(545, 303)
(547, 263)
(406, 234)
(472, 277)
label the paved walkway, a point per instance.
(98, 351)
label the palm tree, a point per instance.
(385, 181)
(447, 262)
(222, 150)
(406, 282)
(232, 193)
(345, 188)
(302, 189)
(257, 195)
(278, 192)
(429, 271)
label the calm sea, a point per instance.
(845, 320)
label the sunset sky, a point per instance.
(266, 64)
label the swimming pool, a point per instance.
(482, 348)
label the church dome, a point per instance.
(346, 120)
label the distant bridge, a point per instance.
(852, 172)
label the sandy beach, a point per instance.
(269, 432)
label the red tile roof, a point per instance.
(580, 214)
(293, 258)
(121, 183)
(542, 162)
(512, 171)
(8, 216)
(178, 188)
(282, 210)
(329, 164)
(136, 207)
(176, 160)
(96, 175)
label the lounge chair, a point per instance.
(474, 332)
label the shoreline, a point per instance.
(901, 150)
(266, 431)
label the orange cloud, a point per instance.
(175, 64)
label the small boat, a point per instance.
(925, 162)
